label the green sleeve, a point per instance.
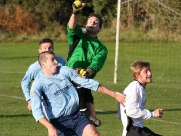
(72, 32)
(98, 60)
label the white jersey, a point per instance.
(135, 103)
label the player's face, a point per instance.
(45, 47)
(50, 65)
(145, 75)
(92, 25)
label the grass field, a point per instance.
(164, 92)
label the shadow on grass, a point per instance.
(14, 116)
(167, 109)
(106, 112)
(115, 112)
(97, 112)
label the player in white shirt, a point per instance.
(134, 112)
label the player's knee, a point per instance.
(90, 130)
(97, 134)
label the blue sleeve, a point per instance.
(73, 76)
(36, 95)
(30, 75)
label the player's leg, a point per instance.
(89, 99)
(83, 126)
(90, 108)
(85, 96)
(91, 114)
(64, 126)
(90, 130)
(137, 131)
(82, 101)
(148, 132)
(134, 131)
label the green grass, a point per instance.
(164, 92)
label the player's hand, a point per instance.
(120, 97)
(52, 131)
(158, 113)
(29, 106)
(78, 5)
(82, 73)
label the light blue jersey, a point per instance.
(31, 74)
(60, 95)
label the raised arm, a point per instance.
(77, 6)
(73, 21)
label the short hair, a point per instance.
(98, 16)
(45, 40)
(42, 56)
(137, 66)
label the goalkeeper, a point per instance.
(86, 52)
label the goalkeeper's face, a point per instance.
(92, 26)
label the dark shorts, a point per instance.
(71, 125)
(137, 131)
(88, 96)
(85, 94)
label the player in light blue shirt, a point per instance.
(35, 68)
(55, 84)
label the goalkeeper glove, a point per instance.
(82, 73)
(77, 6)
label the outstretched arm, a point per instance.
(77, 6)
(118, 96)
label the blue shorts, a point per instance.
(71, 125)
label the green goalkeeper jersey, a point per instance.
(89, 52)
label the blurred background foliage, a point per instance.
(32, 18)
